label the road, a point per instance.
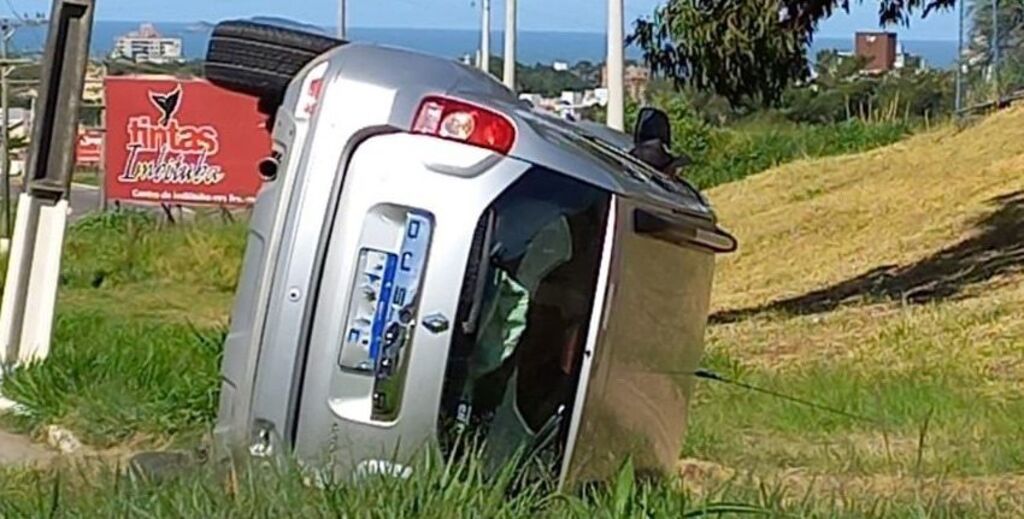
(84, 199)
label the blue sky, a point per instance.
(568, 15)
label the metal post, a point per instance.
(485, 37)
(510, 44)
(960, 62)
(342, 20)
(995, 48)
(33, 271)
(5, 134)
(616, 66)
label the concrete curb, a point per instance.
(10, 406)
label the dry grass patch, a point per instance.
(818, 223)
(888, 284)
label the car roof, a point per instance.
(582, 151)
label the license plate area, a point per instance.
(368, 310)
(382, 310)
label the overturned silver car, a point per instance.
(429, 258)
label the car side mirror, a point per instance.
(652, 124)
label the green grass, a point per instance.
(437, 489)
(136, 356)
(127, 248)
(967, 432)
(111, 380)
(723, 154)
(143, 307)
(137, 342)
(88, 176)
(739, 151)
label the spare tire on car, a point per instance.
(261, 60)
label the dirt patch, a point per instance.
(17, 450)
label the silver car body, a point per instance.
(353, 179)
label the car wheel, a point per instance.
(261, 60)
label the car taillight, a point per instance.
(312, 90)
(464, 122)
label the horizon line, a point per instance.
(501, 30)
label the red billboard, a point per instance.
(187, 142)
(89, 149)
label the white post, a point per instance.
(485, 37)
(510, 44)
(616, 66)
(342, 21)
(33, 272)
(37, 328)
(16, 285)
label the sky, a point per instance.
(541, 15)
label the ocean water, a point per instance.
(534, 46)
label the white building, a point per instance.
(598, 96)
(146, 45)
(533, 99)
(572, 97)
(560, 66)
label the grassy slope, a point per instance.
(804, 307)
(887, 284)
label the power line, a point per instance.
(14, 12)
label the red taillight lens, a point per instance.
(312, 90)
(463, 122)
(313, 95)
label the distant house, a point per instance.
(146, 45)
(877, 49)
(908, 61)
(560, 66)
(571, 97)
(18, 119)
(636, 80)
(92, 93)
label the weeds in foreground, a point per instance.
(437, 488)
(109, 379)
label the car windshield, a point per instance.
(514, 367)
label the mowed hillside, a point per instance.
(817, 223)
(889, 284)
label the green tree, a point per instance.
(840, 91)
(545, 80)
(748, 51)
(979, 56)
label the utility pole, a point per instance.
(485, 37)
(995, 48)
(616, 66)
(960, 62)
(510, 44)
(342, 20)
(6, 32)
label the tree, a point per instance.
(747, 50)
(979, 55)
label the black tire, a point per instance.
(261, 60)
